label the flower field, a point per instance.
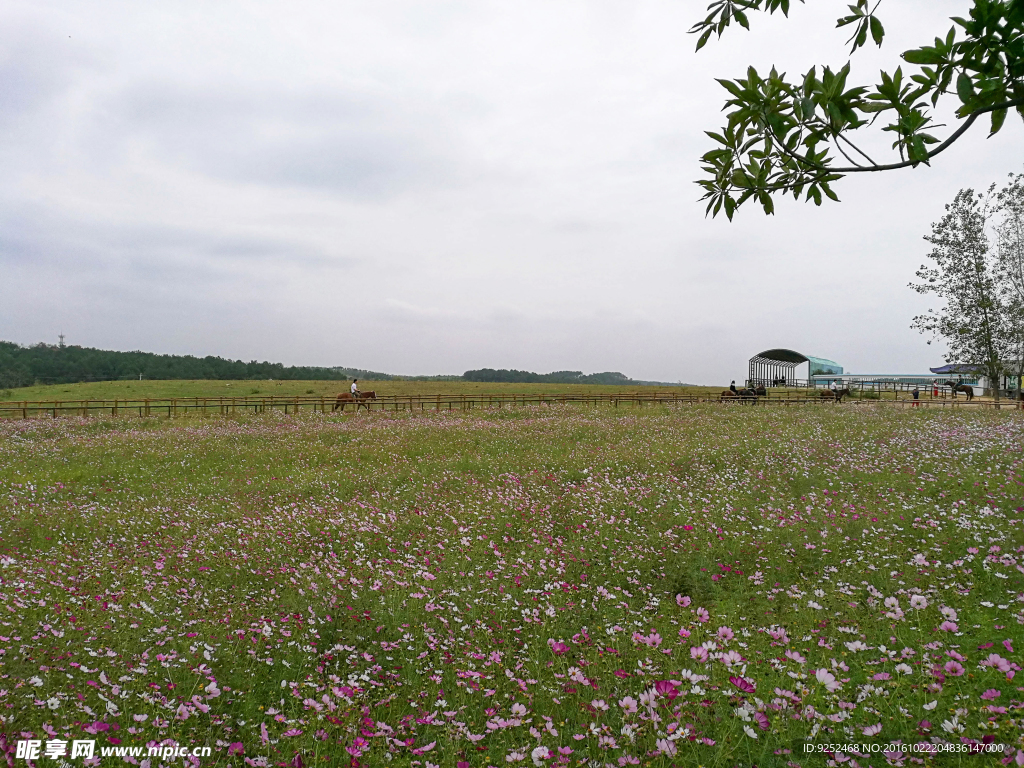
(704, 585)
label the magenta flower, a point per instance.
(236, 748)
(762, 721)
(702, 615)
(666, 688)
(953, 669)
(747, 686)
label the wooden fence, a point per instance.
(171, 407)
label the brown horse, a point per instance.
(967, 389)
(837, 395)
(357, 400)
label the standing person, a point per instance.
(935, 389)
(917, 394)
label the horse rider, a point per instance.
(732, 386)
(833, 386)
(354, 389)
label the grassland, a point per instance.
(108, 390)
(702, 585)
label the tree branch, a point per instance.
(906, 163)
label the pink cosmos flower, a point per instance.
(699, 653)
(424, 749)
(683, 601)
(872, 730)
(948, 626)
(628, 705)
(666, 747)
(731, 658)
(236, 748)
(953, 669)
(998, 662)
(292, 732)
(762, 721)
(827, 679)
(990, 694)
(725, 634)
(684, 632)
(1008, 646)
(795, 656)
(557, 648)
(702, 615)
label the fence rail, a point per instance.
(171, 407)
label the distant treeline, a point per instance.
(23, 366)
(48, 364)
(557, 377)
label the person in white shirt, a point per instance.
(354, 389)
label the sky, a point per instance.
(431, 187)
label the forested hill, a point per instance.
(47, 364)
(23, 366)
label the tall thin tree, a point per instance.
(1009, 232)
(964, 275)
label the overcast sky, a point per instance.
(429, 187)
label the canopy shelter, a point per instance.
(955, 368)
(775, 367)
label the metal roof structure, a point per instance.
(776, 366)
(957, 368)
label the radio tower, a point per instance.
(61, 337)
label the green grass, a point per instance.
(109, 390)
(330, 587)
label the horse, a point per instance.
(357, 400)
(967, 389)
(739, 394)
(836, 394)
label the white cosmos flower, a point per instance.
(53, 702)
(918, 602)
(750, 732)
(931, 705)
